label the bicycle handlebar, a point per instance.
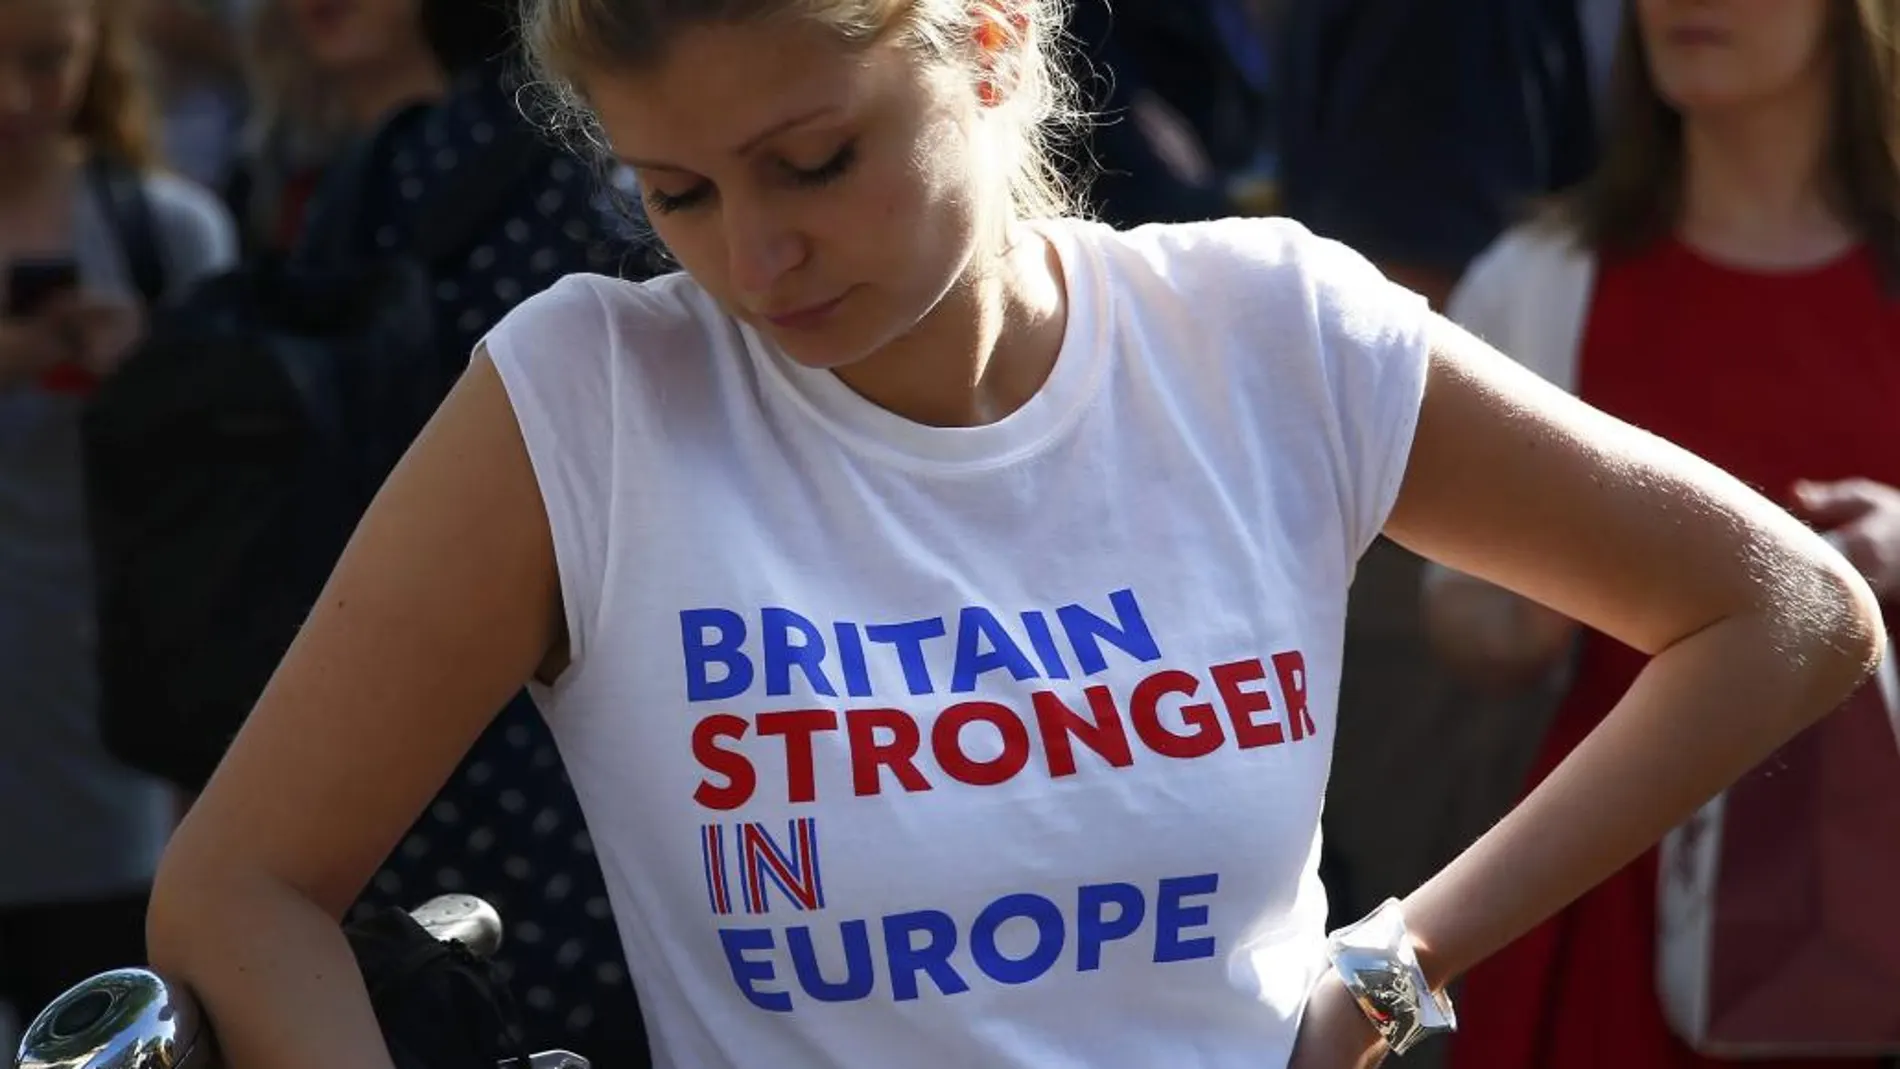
(137, 1019)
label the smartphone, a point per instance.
(31, 283)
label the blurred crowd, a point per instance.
(1649, 217)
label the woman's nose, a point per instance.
(761, 247)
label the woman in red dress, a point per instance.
(1728, 280)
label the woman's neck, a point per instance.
(983, 351)
(1756, 183)
(375, 91)
(25, 177)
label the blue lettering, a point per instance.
(857, 682)
(1092, 929)
(1044, 644)
(781, 653)
(859, 973)
(748, 974)
(702, 653)
(1171, 916)
(909, 639)
(925, 942)
(973, 626)
(1050, 933)
(933, 957)
(1129, 633)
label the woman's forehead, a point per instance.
(722, 90)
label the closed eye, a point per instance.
(665, 203)
(824, 174)
(829, 171)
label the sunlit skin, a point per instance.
(846, 206)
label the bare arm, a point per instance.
(1756, 627)
(444, 604)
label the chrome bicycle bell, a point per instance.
(123, 1019)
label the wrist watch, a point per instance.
(1377, 962)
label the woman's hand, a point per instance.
(1862, 519)
(102, 330)
(1334, 1033)
(29, 348)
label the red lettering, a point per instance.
(1144, 708)
(1291, 668)
(798, 726)
(1056, 723)
(867, 753)
(1243, 704)
(946, 742)
(740, 778)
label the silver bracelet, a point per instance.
(1377, 962)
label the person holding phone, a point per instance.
(80, 834)
(54, 333)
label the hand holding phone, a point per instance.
(30, 350)
(57, 335)
(103, 330)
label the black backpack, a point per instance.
(228, 461)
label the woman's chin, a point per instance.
(817, 353)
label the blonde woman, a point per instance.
(938, 598)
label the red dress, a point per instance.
(1776, 378)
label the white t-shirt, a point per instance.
(999, 746)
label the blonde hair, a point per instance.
(115, 114)
(564, 39)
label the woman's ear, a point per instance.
(999, 36)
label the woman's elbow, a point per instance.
(1829, 613)
(184, 894)
(202, 894)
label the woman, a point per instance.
(938, 600)
(1725, 280)
(322, 72)
(81, 834)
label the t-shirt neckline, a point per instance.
(1063, 396)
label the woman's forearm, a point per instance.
(1702, 714)
(273, 972)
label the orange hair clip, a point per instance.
(990, 36)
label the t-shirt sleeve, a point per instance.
(1320, 357)
(196, 234)
(1372, 343)
(554, 353)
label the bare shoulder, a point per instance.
(442, 607)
